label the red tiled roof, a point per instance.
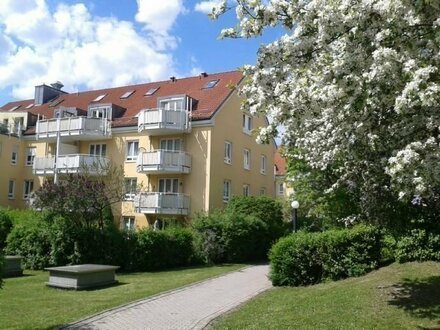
(208, 102)
(280, 163)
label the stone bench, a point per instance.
(12, 266)
(80, 277)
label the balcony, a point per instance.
(11, 129)
(71, 164)
(163, 122)
(162, 203)
(164, 162)
(73, 128)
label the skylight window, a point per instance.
(55, 102)
(211, 84)
(30, 106)
(151, 91)
(126, 95)
(14, 108)
(99, 98)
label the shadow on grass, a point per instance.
(419, 297)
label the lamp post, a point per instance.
(295, 206)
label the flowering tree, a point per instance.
(356, 84)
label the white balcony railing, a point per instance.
(74, 127)
(162, 203)
(164, 161)
(160, 121)
(75, 163)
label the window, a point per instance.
(172, 104)
(151, 91)
(211, 84)
(247, 124)
(99, 98)
(14, 156)
(262, 191)
(30, 106)
(280, 190)
(263, 164)
(246, 190)
(171, 144)
(132, 150)
(15, 108)
(11, 189)
(226, 191)
(126, 95)
(130, 188)
(247, 159)
(30, 156)
(98, 150)
(28, 187)
(128, 223)
(228, 152)
(169, 185)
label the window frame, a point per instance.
(280, 192)
(247, 124)
(246, 159)
(174, 185)
(227, 157)
(131, 223)
(28, 188)
(173, 142)
(30, 156)
(11, 194)
(101, 153)
(263, 164)
(129, 157)
(227, 190)
(130, 194)
(246, 189)
(14, 156)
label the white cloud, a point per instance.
(43, 45)
(205, 7)
(159, 16)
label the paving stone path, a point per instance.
(190, 307)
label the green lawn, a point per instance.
(26, 302)
(400, 296)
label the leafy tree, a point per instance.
(83, 200)
(356, 84)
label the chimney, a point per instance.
(203, 75)
(173, 79)
(44, 93)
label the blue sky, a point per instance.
(101, 43)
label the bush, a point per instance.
(418, 245)
(5, 227)
(308, 258)
(231, 237)
(32, 241)
(153, 250)
(1, 269)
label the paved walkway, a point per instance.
(191, 307)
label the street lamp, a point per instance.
(295, 205)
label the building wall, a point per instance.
(229, 127)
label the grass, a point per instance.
(26, 302)
(400, 296)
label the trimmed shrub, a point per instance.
(418, 245)
(2, 260)
(153, 250)
(309, 258)
(230, 237)
(5, 227)
(32, 241)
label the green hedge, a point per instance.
(5, 227)
(1, 269)
(309, 258)
(152, 250)
(418, 245)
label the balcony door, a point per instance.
(172, 104)
(169, 185)
(171, 144)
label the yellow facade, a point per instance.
(203, 185)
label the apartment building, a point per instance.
(282, 187)
(184, 144)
